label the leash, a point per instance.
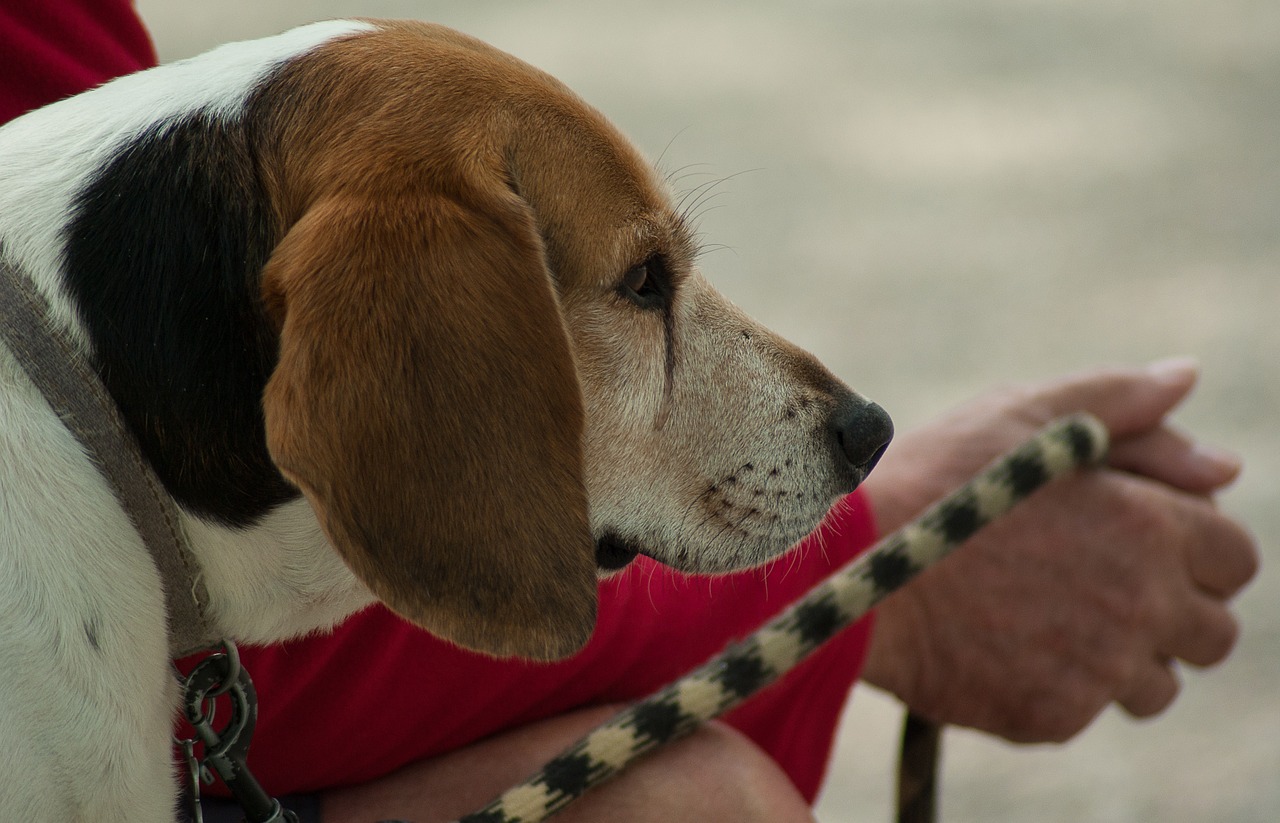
(752, 664)
(72, 388)
(918, 770)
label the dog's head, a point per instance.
(500, 370)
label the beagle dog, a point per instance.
(393, 316)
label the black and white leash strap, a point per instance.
(743, 669)
(751, 664)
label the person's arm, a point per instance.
(715, 774)
(1084, 596)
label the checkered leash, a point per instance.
(747, 666)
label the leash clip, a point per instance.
(195, 775)
(225, 751)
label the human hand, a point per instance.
(1086, 593)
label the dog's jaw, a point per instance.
(613, 554)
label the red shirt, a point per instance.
(377, 693)
(51, 49)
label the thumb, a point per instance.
(1134, 403)
(1130, 401)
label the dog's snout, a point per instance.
(862, 431)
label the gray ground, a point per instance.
(945, 195)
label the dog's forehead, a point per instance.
(410, 98)
(600, 204)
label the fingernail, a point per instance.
(1174, 369)
(1229, 464)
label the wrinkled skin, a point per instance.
(1086, 595)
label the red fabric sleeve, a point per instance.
(55, 48)
(377, 693)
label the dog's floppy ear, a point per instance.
(426, 402)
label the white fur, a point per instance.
(70, 562)
(85, 732)
(279, 579)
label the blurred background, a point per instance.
(936, 197)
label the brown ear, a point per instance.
(427, 404)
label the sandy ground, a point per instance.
(937, 196)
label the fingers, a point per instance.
(1153, 689)
(1134, 403)
(1128, 400)
(1189, 561)
(1186, 560)
(1216, 559)
(1205, 635)
(1221, 556)
(1171, 457)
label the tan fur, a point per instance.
(422, 474)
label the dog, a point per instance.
(393, 316)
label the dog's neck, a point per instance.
(276, 580)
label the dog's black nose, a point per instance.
(862, 432)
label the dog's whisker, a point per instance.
(689, 199)
(705, 211)
(684, 172)
(705, 249)
(694, 199)
(688, 212)
(658, 163)
(695, 211)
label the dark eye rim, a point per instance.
(653, 289)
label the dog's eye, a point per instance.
(645, 284)
(637, 279)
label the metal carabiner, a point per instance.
(191, 795)
(225, 752)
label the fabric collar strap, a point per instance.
(73, 389)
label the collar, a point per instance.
(73, 389)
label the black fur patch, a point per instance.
(164, 252)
